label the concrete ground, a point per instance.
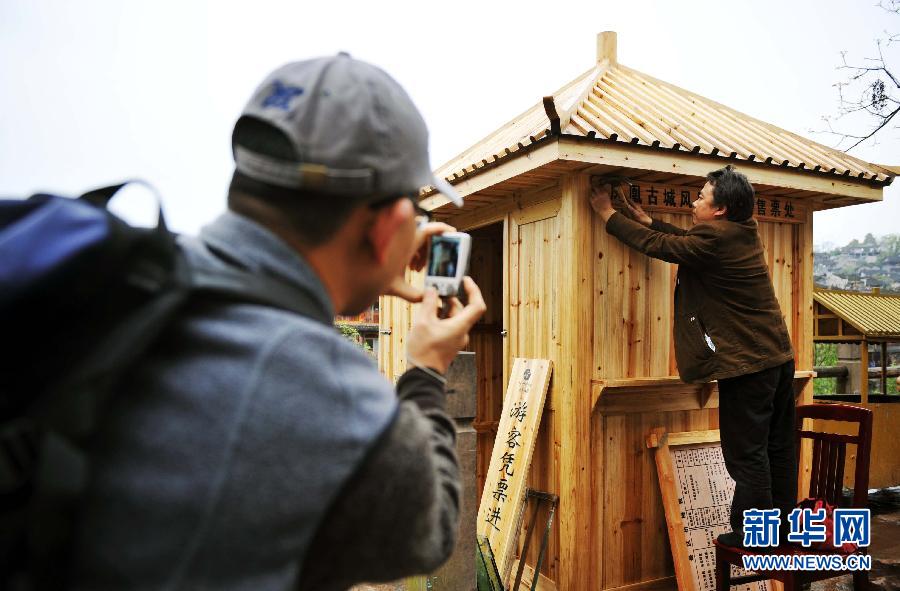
(885, 550)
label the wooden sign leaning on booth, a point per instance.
(696, 494)
(504, 488)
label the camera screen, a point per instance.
(444, 256)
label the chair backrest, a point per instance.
(830, 451)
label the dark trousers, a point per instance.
(756, 423)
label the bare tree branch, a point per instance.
(871, 90)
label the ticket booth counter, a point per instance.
(558, 287)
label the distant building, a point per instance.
(860, 265)
(831, 281)
(366, 324)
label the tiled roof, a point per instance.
(613, 103)
(875, 315)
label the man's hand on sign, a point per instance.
(601, 200)
(634, 211)
(399, 286)
(433, 341)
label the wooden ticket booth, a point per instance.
(558, 287)
(866, 329)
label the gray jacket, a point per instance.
(256, 449)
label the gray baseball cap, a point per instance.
(354, 130)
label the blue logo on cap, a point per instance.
(281, 96)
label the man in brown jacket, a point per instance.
(728, 327)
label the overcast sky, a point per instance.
(96, 91)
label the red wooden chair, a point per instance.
(826, 480)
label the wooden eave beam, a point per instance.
(543, 152)
(550, 149)
(838, 339)
(615, 154)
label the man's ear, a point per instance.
(387, 221)
(721, 213)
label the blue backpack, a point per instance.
(82, 296)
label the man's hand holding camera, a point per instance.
(400, 287)
(434, 339)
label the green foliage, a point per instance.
(824, 386)
(351, 334)
(825, 355)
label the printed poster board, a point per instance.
(696, 492)
(504, 487)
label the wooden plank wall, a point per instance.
(573, 374)
(884, 465)
(550, 316)
(634, 295)
(529, 308)
(534, 255)
(633, 309)
(396, 316)
(630, 540)
(633, 317)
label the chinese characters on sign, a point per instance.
(504, 487)
(518, 413)
(678, 199)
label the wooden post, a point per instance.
(573, 382)
(884, 368)
(848, 355)
(606, 47)
(803, 284)
(864, 371)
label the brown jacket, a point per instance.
(727, 320)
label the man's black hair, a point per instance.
(731, 189)
(314, 217)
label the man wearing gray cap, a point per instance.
(256, 448)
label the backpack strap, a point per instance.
(101, 197)
(231, 284)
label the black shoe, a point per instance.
(731, 539)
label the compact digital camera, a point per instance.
(448, 263)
